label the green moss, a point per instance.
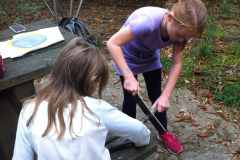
(219, 33)
(220, 136)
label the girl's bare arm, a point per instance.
(163, 101)
(114, 47)
(174, 71)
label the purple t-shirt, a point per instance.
(142, 53)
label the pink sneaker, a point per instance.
(171, 142)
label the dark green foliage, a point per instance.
(166, 62)
(236, 49)
(205, 49)
(230, 94)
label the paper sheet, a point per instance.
(29, 41)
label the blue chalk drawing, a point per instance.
(29, 41)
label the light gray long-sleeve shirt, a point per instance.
(90, 140)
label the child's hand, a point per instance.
(162, 103)
(132, 85)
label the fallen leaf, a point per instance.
(145, 99)
(192, 118)
(181, 82)
(202, 146)
(225, 126)
(230, 150)
(116, 81)
(177, 95)
(196, 125)
(113, 94)
(209, 126)
(166, 151)
(225, 144)
(220, 89)
(238, 152)
(182, 126)
(203, 134)
(201, 78)
(223, 116)
(196, 71)
(205, 139)
(197, 93)
(210, 101)
(226, 139)
(203, 107)
(205, 102)
(192, 100)
(236, 114)
(215, 141)
(179, 116)
(193, 80)
(163, 85)
(186, 118)
(230, 119)
(208, 111)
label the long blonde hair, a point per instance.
(189, 13)
(78, 70)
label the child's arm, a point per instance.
(163, 101)
(22, 148)
(120, 124)
(114, 47)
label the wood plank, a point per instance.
(134, 153)
(37, 65)
(8, 33)
(35, 26)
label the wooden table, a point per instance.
(17, 82)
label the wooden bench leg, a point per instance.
(23, 90)
(10, 107)
(8, 124)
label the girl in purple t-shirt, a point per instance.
(135, 49)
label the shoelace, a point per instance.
(171, 137)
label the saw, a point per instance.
(150, 114)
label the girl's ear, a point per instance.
(170, 16)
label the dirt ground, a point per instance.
(207, 136)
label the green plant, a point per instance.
(205, 49)
(166, 62)
(23, 7)
(16, 20)
(225, 6)
(236, 48)
(99, 40)
(210, 29)
(230, 94)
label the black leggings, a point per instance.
(153, 82)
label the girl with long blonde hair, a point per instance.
(64, 120)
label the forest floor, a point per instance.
(205, 105)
